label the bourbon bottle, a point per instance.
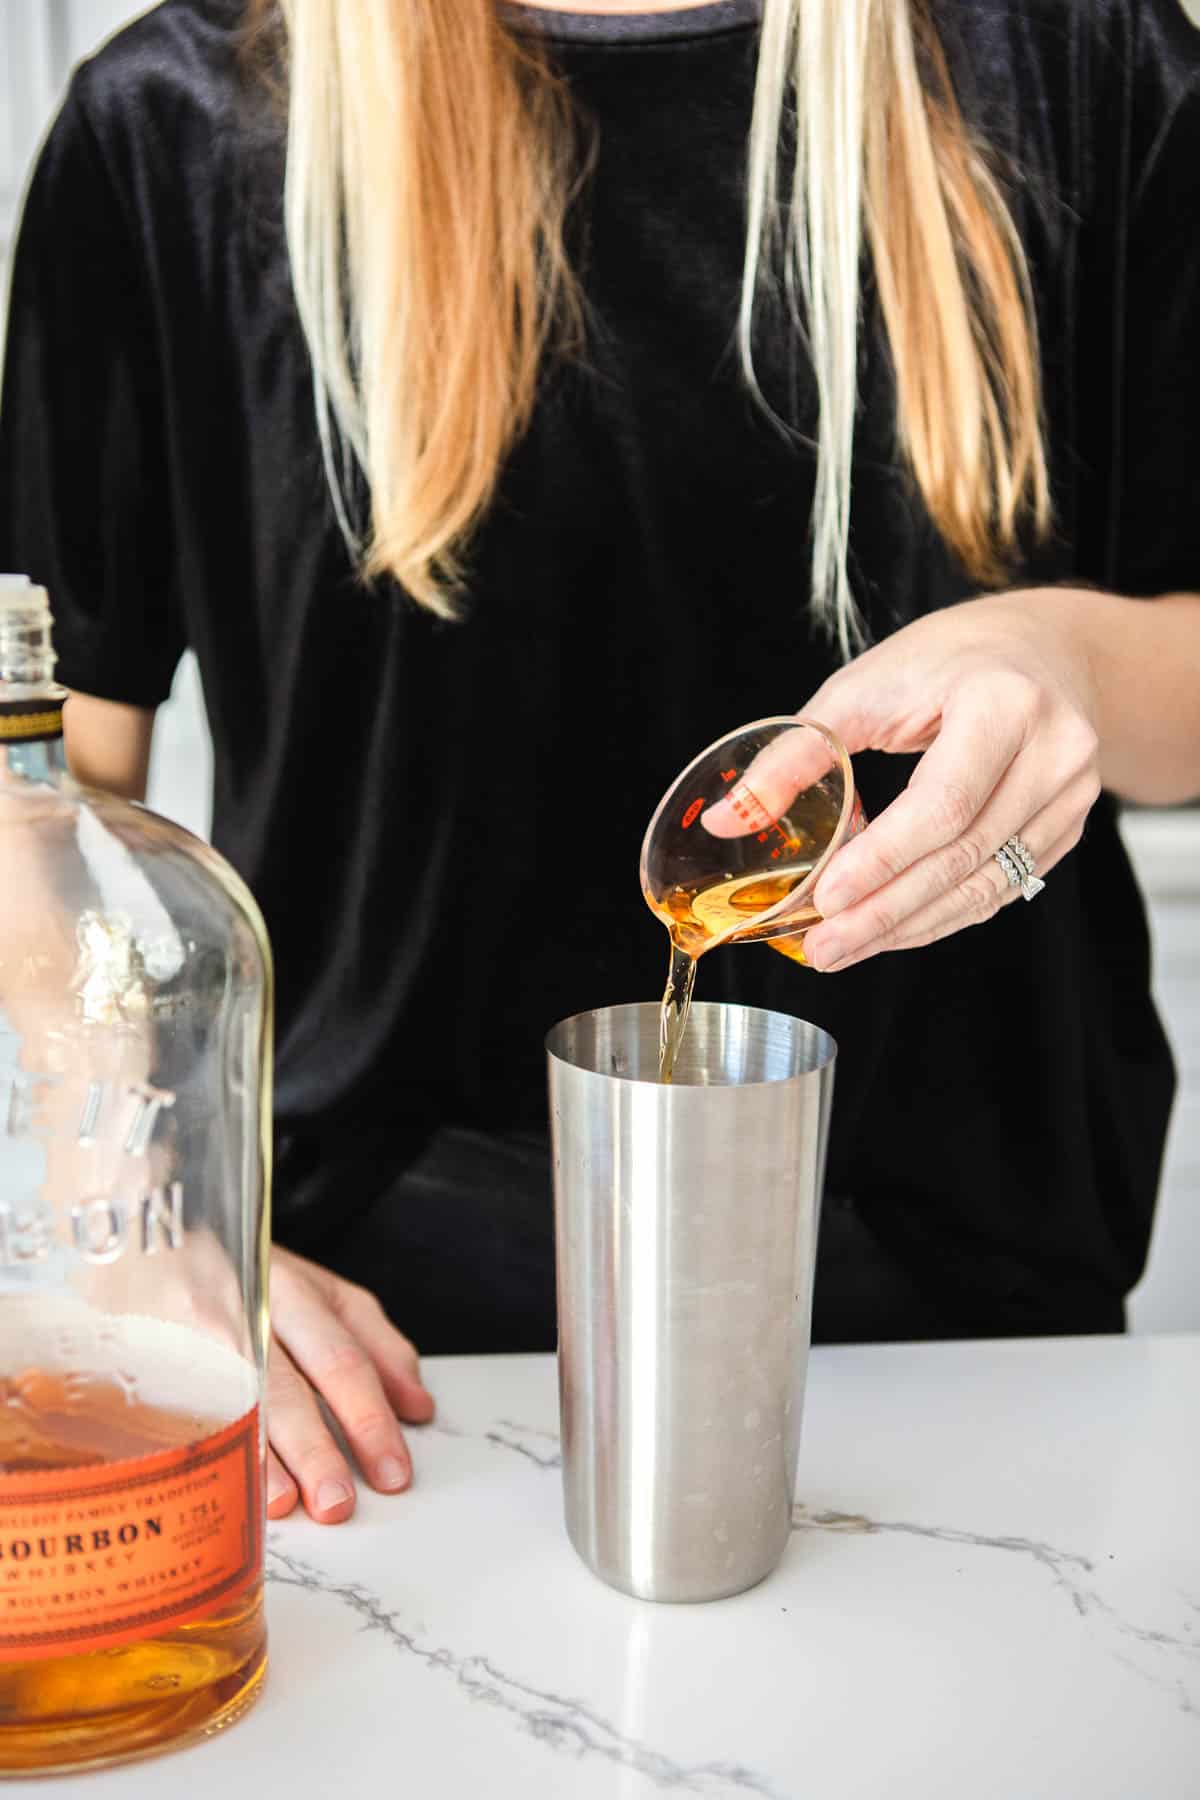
(135, 1063)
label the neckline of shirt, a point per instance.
(627, 28)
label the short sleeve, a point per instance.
(84, 491)
(1155, 527)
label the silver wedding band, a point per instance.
(1017, 862)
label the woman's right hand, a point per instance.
(332, 1342)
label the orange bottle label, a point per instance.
(104, 1555)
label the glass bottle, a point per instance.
(135, 1066)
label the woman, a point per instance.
(625, 461)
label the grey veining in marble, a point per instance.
(1173, 1662)
(543, 1450)
(561, 1722)
(1076, 1575)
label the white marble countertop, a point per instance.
(992, 1593)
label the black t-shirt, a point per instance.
(440, 821)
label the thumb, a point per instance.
(794, 761)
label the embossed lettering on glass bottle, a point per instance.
(135, 1047)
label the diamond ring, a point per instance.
(1017, 862)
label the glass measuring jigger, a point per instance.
(739, 842)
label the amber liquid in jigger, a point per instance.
(698, 917)
(133, 1698)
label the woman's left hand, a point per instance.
(998, 695)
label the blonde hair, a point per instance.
(429, 169)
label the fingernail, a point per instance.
(277, 1488)
(824, 955)
(332, 1494)
(390, 1472)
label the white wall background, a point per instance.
(1166, 852)
(39, 40)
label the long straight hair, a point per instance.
(430, 160)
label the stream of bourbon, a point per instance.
(697, 917)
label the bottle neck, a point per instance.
(41, 760)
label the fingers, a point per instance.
(883, 915)
(305, 1454)
(1005, 763)
(325, 1350)
(950, 787)
(973, 902)
(788, 765)
(282, 1492)
(394, 1356)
